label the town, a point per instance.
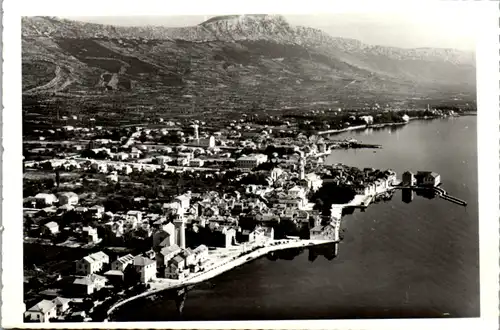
(146, 210)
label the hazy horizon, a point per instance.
(405, 30)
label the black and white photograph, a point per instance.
(252, 166)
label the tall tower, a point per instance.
(180, 231)
(302, 166)
(196, 133)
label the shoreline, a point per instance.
(366, 126)
(361, 127)
(219, 269)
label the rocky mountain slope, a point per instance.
(228, 61)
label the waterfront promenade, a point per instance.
(221, 261)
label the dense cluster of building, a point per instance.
(176, 243)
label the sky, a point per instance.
(450, 25)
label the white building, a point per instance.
(68, 198)
(91, 234)
(314, 181)
(45, 199)
(162, 160)
(120, 156)
(183, 201)
(121, 263)
(96, 211)
(90, 283)
(92, 263)
(51, 228)
(137, 215)
(146, 268)
(429, 178)
(166, 254)
(251, 161)
(42, 311)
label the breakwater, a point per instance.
(438, 191)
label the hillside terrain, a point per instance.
(231, 63)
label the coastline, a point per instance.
(360, 127)
(220, 268)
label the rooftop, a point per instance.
(142, 261)
(43, 306)
(170, 249)
(125, 259)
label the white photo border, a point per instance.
(484, 13)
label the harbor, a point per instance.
(411, 239)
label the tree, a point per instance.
(318, 205)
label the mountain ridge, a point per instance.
(162, 32)
(247, 52)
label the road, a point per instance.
(220, 264)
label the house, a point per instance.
(189, 256)
(89, 284)
(42, 311)
(428, 178)
(182, 161)
(92, 263)
(96, 211)
(45, 199)
(150, 254)
(162, 160)
(361, 190)
(256, 235)
(126, 170)
(295, 198)
(251, 161)
(146, 268)
(66, 208)
(269, 232)
(120, 156)
(183, 201)
(51, 228)
(409, 179)
(314, 181)
(328, 232)
(112, 178)
(135, 153)
(68, 198)
(121, 263)
(196, 162)
(224, 236)
(167, 253)
(62, 304)
(209, 143)
(390, 176)
(165, 236)
(137, 215)
(115, 276)
(99, 167)
(90, 234)
(176, 268)
(201, 253)
(81, 209)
